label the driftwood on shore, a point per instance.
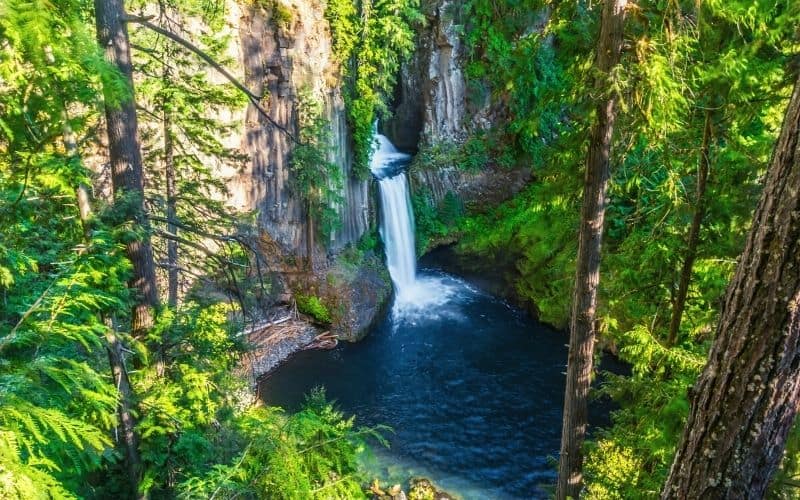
(274, 340)
(325, 340)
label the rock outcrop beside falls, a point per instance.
(435, 107)
(285, 48)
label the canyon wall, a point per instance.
(285, 49)
(434, 104)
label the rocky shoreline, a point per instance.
(357, 294)
(419, 488)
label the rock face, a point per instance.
(431, 97)
(283, 50)
(478, 190)
(433, 105)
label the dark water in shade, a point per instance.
(472, 387)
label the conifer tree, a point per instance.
(747, 397)
(584, 307)
(128, 182)
(126, 159)
(184, 134)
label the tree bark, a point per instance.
(81, 191)
(172, 245)
(694, 234)
(744, 402)
(126, 160)
(587, 276)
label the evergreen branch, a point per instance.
(255, 99)
(195, 230)
(8, 339)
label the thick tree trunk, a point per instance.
(126, 159)
(746, 399)
(587, 277)
(694, 234)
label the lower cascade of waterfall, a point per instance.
(413, 294)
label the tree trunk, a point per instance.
(82, 191)
(169, 171)
(744, 402)
(587, 277)
(172, 245)
(309, 238)
(126, 160)
(127, 423)
(694, 235)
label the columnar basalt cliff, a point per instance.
(434, 105)
(431, 96)
(286, 49)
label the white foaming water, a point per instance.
(413, 296)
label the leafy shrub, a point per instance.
(611, 470)
(282, 15)
(311, 454)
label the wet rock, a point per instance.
(424, 489)
(358, 292)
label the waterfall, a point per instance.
(397, 219)
(415, 296)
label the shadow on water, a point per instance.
(472, 387)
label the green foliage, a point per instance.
(57, 407)
(311, 454)
(535, 232)
(727, 59)
(370, 43)
(63, 283)
(435, 222)
(784, 483)
(184, 391)
(472, 155)
(316, 179)
(363, 253)
(615, 468)
(282, 15)
(181, 131)
(314, 307)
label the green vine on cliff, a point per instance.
(370, 44)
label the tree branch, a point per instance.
(255, 99)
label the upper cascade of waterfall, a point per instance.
(413, 296)
(386, 159)
(397, 219)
